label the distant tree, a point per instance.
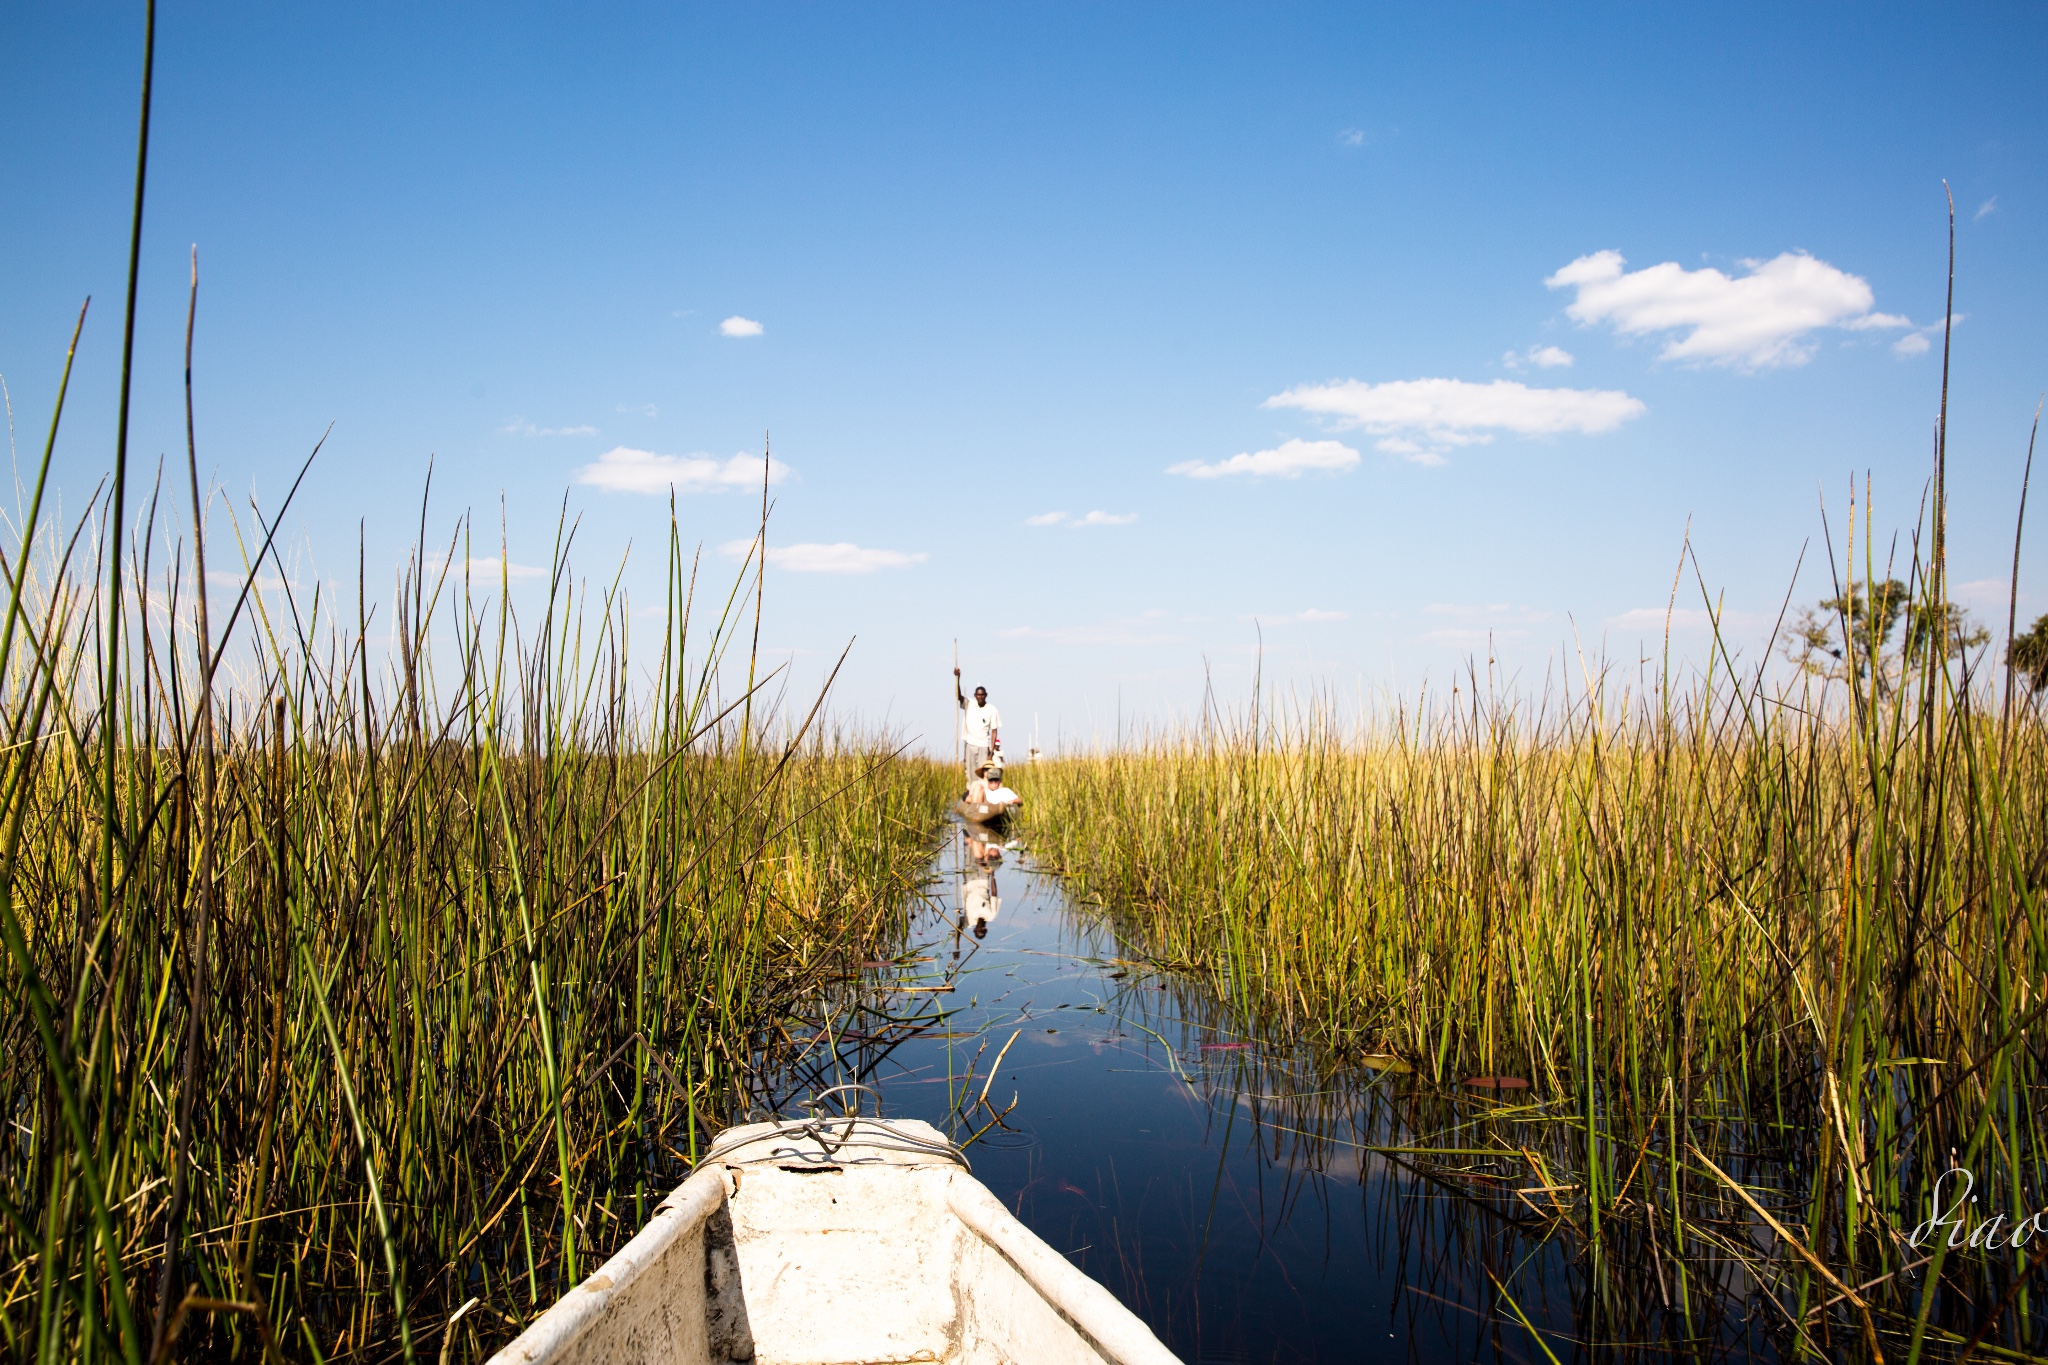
(1876, 633)
(2029, 656)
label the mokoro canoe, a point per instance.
(982, 813)
(831, 1242)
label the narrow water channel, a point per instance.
(1215, 1182)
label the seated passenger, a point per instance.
(995, 793)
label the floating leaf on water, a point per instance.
(1385, 1061)
(1118, 976)
(1225, 1047)
(1497, 1083)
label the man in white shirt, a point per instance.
(979, 725)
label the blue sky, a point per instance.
(1007, 263)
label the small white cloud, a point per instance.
(1984, 593)
(1542, 357)
(519, 426)
(1750, 322)
(1109, 633)
(840, 557)
(625, 470)
(1651, 620)
(1311, 616)
(1288, 460)
(1492, 612)
(1351, 137)
(1096, 518)
(1921, 339)
(484, 568)
(737, 326)
(1419, 419)
(1465, 636)
(639, 410)
(1985, 209)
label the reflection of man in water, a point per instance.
(980, 902)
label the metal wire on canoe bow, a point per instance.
(833, 1133)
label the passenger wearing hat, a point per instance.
(988, 787)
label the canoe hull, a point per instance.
(873, 1255)
(982, 813)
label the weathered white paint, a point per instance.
(779, 1252)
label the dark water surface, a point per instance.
(1215, 1182)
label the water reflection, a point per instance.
(978, 896)
(1251, 1201)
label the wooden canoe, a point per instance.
(981, 812)
(831, 1242)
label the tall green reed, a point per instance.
(427, 957)
(1800, 930)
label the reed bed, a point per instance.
(1791, 941)
(423, 973)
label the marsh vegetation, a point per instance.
(1765, 962)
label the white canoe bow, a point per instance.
(846, 1241)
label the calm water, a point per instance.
(1214, 1182)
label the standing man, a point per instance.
(979, 725)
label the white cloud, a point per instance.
(840, 557)
(737, 326)
(1984, 594)
(1542, 357)
(1920, 340)
(625, 470)
(1751, 322)
(641, 409)
(1488, 611)
(484, 569)
(1650, 620)
(519, 426)
(1110, 633)
(1462, 635)
(1985, 209)
(1352, 137)
(1418, 419)
(1311, 616)
(1095, 518)
(1289, 460)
